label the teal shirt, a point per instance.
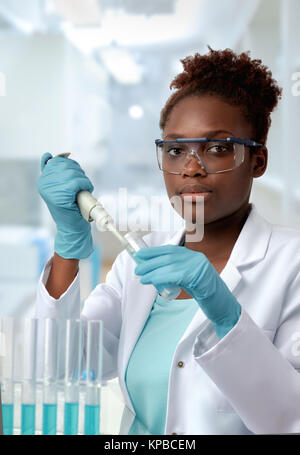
(147, 373)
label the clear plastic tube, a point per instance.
(71, 377)
(6, 373)
(136, 242)
(28, 387)
(50, 377)
(1, 421)
(93, 375)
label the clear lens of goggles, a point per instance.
(214, 157)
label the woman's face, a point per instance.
(209, 116)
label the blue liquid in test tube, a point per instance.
(49, 418)
(28, 419)
(91, 419)
(28, 331)
(8, 418)
(50, 372)
(93, 377)
(73, 345)
(6, 373)
(71, 418)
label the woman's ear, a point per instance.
(259, 161)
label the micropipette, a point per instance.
(92, 210)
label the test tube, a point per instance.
(6, 373)
(50, 377)
(136, 242)
(92, 374)
(28, 381)
(71, 377)
(1, 426)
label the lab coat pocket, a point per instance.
(222, 403)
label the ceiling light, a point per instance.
(136, 111)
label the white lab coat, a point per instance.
(246, 382)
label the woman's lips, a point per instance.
(194, 192)
(195, 197)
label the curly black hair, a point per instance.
(237, 79)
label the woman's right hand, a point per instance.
(60, 181)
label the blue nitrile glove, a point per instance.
(174, 265)
(60, 181)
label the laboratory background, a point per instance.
(90, 77)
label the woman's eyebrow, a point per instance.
(210, 133)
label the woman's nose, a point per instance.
(193, 166)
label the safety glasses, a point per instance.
(213, 155)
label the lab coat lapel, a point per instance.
(139, 301)
(252, 243)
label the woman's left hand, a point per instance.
(174, 265)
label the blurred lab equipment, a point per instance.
(24, 252)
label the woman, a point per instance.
(219, 359)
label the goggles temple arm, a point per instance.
(246, 142)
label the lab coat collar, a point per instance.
(252, 243)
